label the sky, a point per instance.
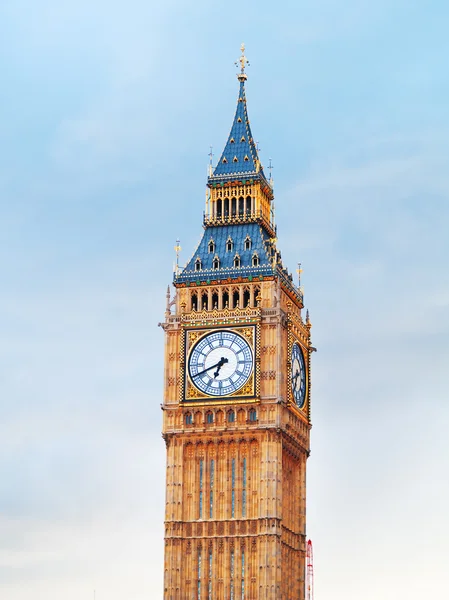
(108, 110)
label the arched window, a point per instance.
(211, 246)
(231, 416)
(236, 261)
(215, 300)
(246, 298)
(219, 207)
(226, 207)
(235, 299)
(194, 301)
(198, 264)
(234, 206)
(247, 243)
(229, 245)
(216, 263)
(241, 202)
(248, 205)
(225, 300)
(204, 301)
(255, 259)
(209, 417)
(189, 419)
(253, 415)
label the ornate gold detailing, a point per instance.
(194, 335)
(248, 333)
(246, 390)
(192, 392)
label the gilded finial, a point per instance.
(299, 271)
(177, 250)
(211, 156)
(243, 63)
(308, 323)
(270, 168)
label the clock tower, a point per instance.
(236, 410)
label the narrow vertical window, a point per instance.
(243, 574)
(244, 489)
(210, 575)
(198, 595)
(211, 496)
(232, 576)
(201, 491)
(233, 489)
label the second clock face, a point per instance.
(220, 363)
(298, 375)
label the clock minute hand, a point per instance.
(205, 370)
(295, 376)
(218, 364)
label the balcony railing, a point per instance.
(239, 218)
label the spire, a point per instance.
(240, 155)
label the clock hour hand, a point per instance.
(221, 362)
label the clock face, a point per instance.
(220, 363)
(298, 375)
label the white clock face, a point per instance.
(220, 363)
(298, 375)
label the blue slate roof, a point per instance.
(240, 155)
(270, 262)
(260, 245)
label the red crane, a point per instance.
(309, 571)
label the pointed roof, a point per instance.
(240, 154)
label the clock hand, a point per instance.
(295, 377)
(218, 364)
(205, 370)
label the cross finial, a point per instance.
(270, 168)
(243, 63)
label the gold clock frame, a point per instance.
(249, 392)
(294, 339)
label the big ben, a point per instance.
(237, 383)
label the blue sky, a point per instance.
(108, 112)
